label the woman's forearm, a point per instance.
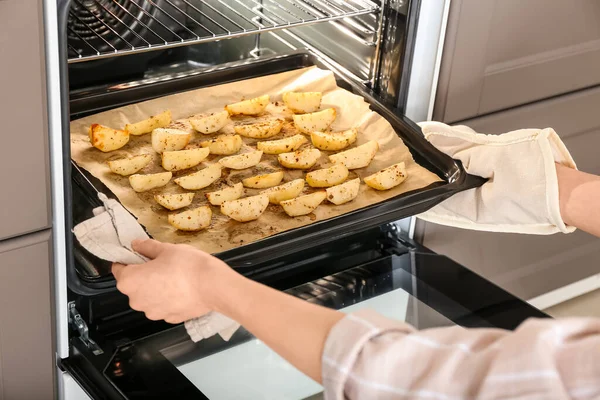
(579, 195)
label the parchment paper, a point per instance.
(224, 234)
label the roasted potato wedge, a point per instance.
(264, 181)
(224, 145)
(388, 177)
(286, 191)
(148, 125)
(316, 121)
(358, 157)
(128, 166)
(303, 205)
(191, 220)
(260, 130)
(333, 141)
(210, 123)
(107, 139)
(302, 159)
(229, 193)
(201, 179)
(169, 139)
(183, 159)
(174, 201)
(327, 177)
(302, 102)
(246, 209)
(279, 146)
(142, 183)
(242, 161)
(249, 107)
(343, 193)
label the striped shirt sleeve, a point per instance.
(368, 356)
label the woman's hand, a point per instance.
(178, 283)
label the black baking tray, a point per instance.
(454, 178)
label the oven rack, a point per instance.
(99, 29)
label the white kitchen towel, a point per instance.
(108, 235)
(521, 194)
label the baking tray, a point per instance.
(454, 178)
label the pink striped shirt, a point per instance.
(368, 356)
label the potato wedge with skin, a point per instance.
(358, 157)
(288, 144)
(327, 177)
(128, 166)
(303, 205)
(174, 201)
(264, 181)
(210, 123)
(107, 139)
(249, 107)
(302, 159)
(333, 141)
(192, 220)
(343, 193)
(201, 179)
(316, 121)
(246, 209)
(224, 145)
(229, 193)
(148, 125)
(142, 183)
(302, 102)
(183, 159)
(388, 177)
(286, 191)
(260, 130)
(169, 139)
(242, 161)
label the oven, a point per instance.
(110, 53)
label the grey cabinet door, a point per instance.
(26, 332)
(24, 166)
(504, 53)
(529, 266)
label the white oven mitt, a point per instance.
(108, 235)
(521, 194)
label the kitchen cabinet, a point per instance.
(500, 54)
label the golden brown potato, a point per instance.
(358, 157)
(327, 177)
(333, 141)
(286, 145)
(142, 183)
(303, 205)
(343, 193)
(210, 123)
(224, 145)
(302, 102)
(246, 209)
(388, 177)
(264, 181)
(169, 139)
(148, 125)
(201, 179)
(191, 220)
(316, 121)
(260, 130)
(242, 161)
(249, 107)
(229, 193)
(302, 159)
(286, 191)
(128, 166)
(183, 159)
(174, 201)
(107, 139)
